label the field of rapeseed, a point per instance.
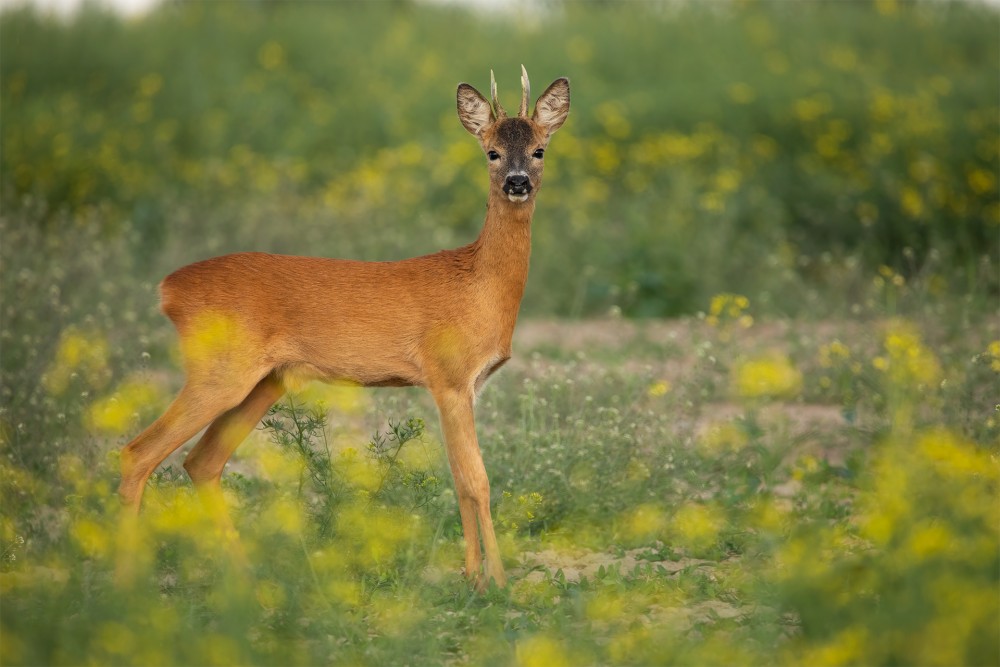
(801, 467)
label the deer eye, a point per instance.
(538, 154)
(493, 155)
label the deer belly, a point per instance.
(360, 375)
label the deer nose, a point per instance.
(517, 184)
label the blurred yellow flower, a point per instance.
(279, 468)
(211, 336)
(284, 515)
(928, 539)
(271, 55)
(907, 361)
(887, 7)
(659, 388)
(742, 93)
(116, 639)
(697, 526)
(341, 396)
(848, 647)
(92, 537)
(606, 606)
(611, 115)
(346, 592)
(911, 202)
(359, 471)
(955, 458)
(808, 109)
(131, 400)
(842, 57)
(772, 375)
(644, 521)
(606, 157)
(981, 181)
(764, 146)
(833, 353)
(542, 651)
(78, 353)
(270, 594)
(150, 84)
(993, 350)
(722, 437)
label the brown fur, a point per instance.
(442, 321)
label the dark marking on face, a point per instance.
(515, 133)
(516, 139)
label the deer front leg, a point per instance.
(471, 485)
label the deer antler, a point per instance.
(525, 93)
(498, 109)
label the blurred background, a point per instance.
(787, 149)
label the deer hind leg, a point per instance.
(195, 407)
(204, 463)
(472, 486)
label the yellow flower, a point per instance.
(659, 388)
(697, 526)
(993, 350)
(213, 336)
(282, 516)
(644, 521)
(887, 7)
(133, 398)
(833, 353)
(929, 539)
(843, 58)
(911, 202)
(150, 84)
(809, 109)
(772, 375)
(908, 361)
(722, 437)
(605, 606)
(271, 56)
(270, 595)
(80, 353)
(92, 537)
(953, 457)
(742, 93)
(542, 651)
(981, 181)
(612, 117)
(846, 648)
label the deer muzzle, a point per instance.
(517, 186)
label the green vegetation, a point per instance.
(803, 469)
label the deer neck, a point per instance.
(504, 247)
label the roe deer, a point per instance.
(442, 321)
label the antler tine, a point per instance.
(500, 113)
(525, 93)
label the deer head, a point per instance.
(515, 146)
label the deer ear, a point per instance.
(473, 109)
(552, 106)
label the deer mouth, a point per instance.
(517, 186)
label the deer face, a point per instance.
(515, 147)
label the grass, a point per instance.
(800, 467)
(651, 509)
